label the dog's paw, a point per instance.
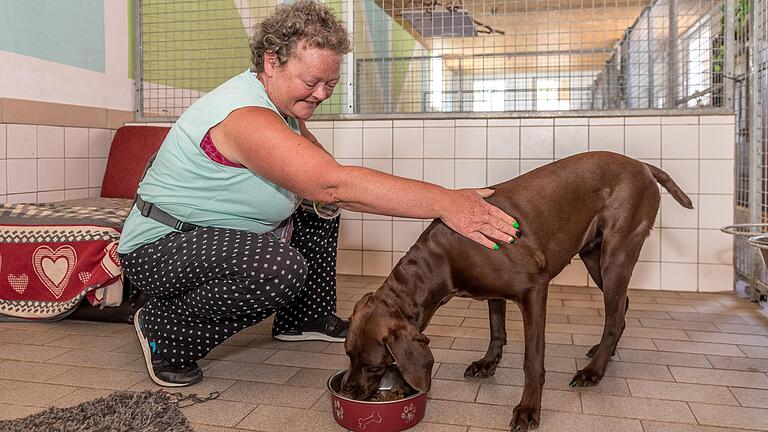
(480, 369)
(524, 418)
(586, 378)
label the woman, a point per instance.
(217, 239)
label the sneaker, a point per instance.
(161, 370)
(328, 328)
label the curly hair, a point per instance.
(307, 21)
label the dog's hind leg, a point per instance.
(618, 258)
(486, 366)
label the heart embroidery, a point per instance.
(18, 283)
(84, 276)
(54, 268)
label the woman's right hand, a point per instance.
(471, 216)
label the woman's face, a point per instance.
(303, 82)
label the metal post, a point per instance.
(755, 132)
(461, 90)
(349, 105)
(138, 79)
(671, 100)
(650, 57)
(729, 52)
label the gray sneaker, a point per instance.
(329, 328)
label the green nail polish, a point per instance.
(511, 239)
(516, 225)
(495, 246)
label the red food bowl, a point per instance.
(364, 416)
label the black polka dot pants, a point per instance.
(207, 284)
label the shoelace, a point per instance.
(182, 401)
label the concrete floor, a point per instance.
(687, 362)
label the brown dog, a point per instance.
(599, 205)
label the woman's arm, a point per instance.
(259, 139)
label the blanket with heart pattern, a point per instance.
(53, 255)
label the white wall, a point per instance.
(685, 251)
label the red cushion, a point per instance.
(131, 148)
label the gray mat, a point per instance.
(122, 411)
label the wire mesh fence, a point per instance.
(421, 56)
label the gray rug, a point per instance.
(122, 411)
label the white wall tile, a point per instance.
(76, 173)
(405, 234)
(470, 173)
(439, 171)
(409, 168)
(50, 196)
(537, 142)
(50, 142)
(537, 121)
(606, 121)
(3, 140)
(470, 142)
(673, 215)
(501, 170)
(570, 140)
(504, 142)
(377, 143)
(348, 143)
(313, 125)
(22, 176)
(678, 120)
(643, 141)
(642, 120)
(571, 121)
(680, 141)
(348, 124)
(429, 123)
(98, 143)
(685, 172)
(531, 164)
(651, 247)
(503, 122)
(679, 245)
(92, 192)
(377, 235)
(377, 263)
(76, 193)
(646, 275)
(408, 124)
(3, 177)
(715, 247)
(21, 198)
(396, 257)
(21, 141)
(574, 274)
(75, 142)
(96, 169)
(350, 234)
(408, 142)
(606, 138)
(679, 277)
(481, 123)
(349, 262)
(383, 165)
(716, 176)
(325, 138)
(717, 141)
(715, 211)
(715, 277)
(438, 142)
(50, 174)
(717, 119)
(377, 124)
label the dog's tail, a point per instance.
(667, 183)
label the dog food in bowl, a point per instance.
(394, 407)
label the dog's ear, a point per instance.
(365, 299)
(414, 359)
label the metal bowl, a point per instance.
(761, 243)
(364, 416)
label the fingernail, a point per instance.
(491, 188)
(511, 239)
(519, 234)
(516, 225)
(495, 246)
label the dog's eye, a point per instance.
(373, 369)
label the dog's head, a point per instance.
(379, 335)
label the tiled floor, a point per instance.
(687, 362)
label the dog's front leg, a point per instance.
(533, 307)
(486, 366)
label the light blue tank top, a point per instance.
(184, 182)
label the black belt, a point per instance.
(151, 211)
